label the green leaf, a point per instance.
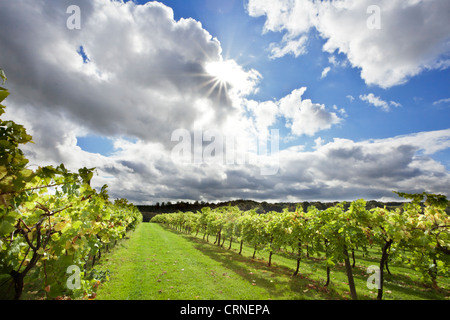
(76, 225)
(55, 237)
(3, 94)
(6, 227)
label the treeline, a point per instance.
(417, 234)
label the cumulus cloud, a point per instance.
(131, 70)
(412, 36)
(297, 17)
(303, 117)
(265, 113)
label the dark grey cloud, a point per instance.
(144, 78)
(340, 170)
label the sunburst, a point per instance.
(223, 76)
(226, 76)
(223, 71)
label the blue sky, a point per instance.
(361, 111)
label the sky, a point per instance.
(217, 100)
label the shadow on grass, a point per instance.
(277, 280)
(401, 280)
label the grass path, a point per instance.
(158, 264)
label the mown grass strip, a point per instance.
(155, 264)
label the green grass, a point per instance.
(161, 264)
(157, 264)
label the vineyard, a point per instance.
(417, 235)
(53, 224)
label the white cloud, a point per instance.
(303, 117)
(375, 101)
(445, 101)
(295, 47)
(395, 104)
(325, 72)
(413, 37)
(378, 102)
(341, 110)
(337, 63)
(265, 114)
(294, 16)
(318, 143)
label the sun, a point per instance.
(223, 71)
(228, 76)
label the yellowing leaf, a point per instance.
(63, 226)
(60, 225)
(3, 171)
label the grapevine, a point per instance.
(51, 219)
(417, 233)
